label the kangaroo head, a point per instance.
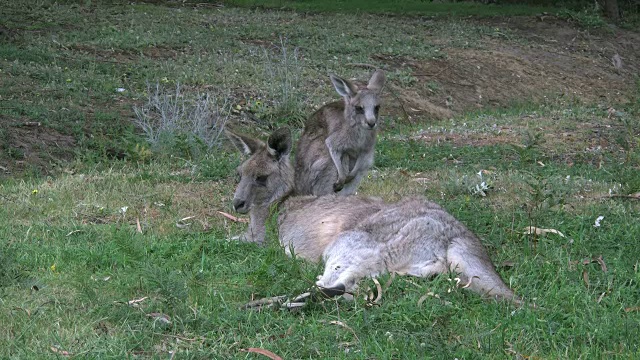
(267, 175)
(361, 106)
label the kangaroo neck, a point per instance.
(259, 216)
(276, 204)
(257, 224)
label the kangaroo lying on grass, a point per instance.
(357, 236)
(336, 148)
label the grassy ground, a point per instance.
(112, 248)
(411, 7)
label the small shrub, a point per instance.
(587, 18)
(284, 73)
(175, 122)
(529, 152)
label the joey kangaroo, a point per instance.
(357, 236)
(336, 148)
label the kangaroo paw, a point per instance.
(338, 185)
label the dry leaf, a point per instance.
(425, 296)
(58, 351)
(572, 264)
(458, 281)
(538, 231)
(630, 309)
(600, 261)
(233, 218)
(137, 301)
(25, 310)
(598, 220)
(585, 277)
(138, 227)
(160, 317)
(340, 323)
(379, 288)
(264, 352)
(182, 223)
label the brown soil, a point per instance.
(551, 59)
(26, 145)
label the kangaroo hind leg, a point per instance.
(476, 271)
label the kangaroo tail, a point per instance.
(476, 272)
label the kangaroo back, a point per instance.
(336, 147)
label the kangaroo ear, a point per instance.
(279, 143)
(344, 87)
(245, 144)
(377, 81)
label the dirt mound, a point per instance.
(548, 58)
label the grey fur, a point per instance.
(359, 236)
(336, 148)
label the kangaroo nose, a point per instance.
(238, 204)
(371, 125)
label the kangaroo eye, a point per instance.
(359, 110)
(376, 109)
(261, 180)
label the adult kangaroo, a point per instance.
(357, 236)
(336, 148)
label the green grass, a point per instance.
(71, 257)
(86, 261)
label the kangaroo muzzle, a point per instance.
(370, 118)
(240, 206)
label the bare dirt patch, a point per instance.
(543, 59)
(31, 145)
